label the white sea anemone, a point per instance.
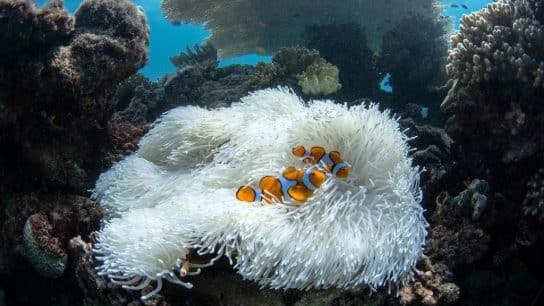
(177, 193)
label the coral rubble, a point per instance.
(198, 81)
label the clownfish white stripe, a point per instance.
(306, 179)
(258, 195)
(326, 159)
(338, 167)
(285, 185)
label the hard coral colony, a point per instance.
(176, 196)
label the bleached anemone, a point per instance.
(177, 194)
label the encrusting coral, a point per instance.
(43, 251)
(272, 25)
(176, 196)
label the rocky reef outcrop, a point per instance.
(58, 73)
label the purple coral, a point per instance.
(42, 249)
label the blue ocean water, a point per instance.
(457, 12)
(168, 40)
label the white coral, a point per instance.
(178, 192)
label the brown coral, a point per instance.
(27, 29)
(433, 285)
(57, 79)
(50, 220)
(497, 64)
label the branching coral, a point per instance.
(177, 194)
(498, 68)
(503, 42)
(275, 24)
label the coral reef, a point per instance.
(198, 81)
(515, 282)
(71, 106)
(345, 46)
(36, 229)
(29, 29)
(434, 152)
(320, 78)
(42, 250)
(473, 199)
(454, 238)
(413, 52)
(294, 60)
(64, 90)
(58, 74)
(497, 64)
(34, 234)
(272, 25)
(161, 204)
(96, 289)
(433, 285)
(204, 56)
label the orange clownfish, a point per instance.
(296, 184)
(332, 161)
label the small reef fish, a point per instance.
(464, 6)
(260, 50)
(454, 5)
(331, 162)
(296, 184)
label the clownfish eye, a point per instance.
(343, 172)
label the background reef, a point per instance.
(71, 104)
